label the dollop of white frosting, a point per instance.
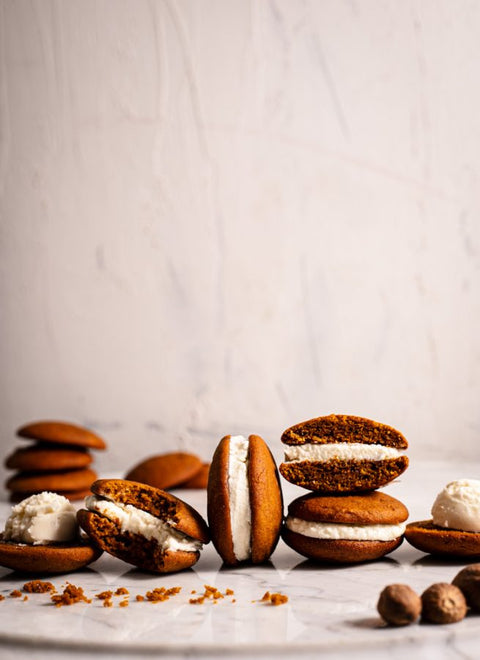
(457, 506)
(239, 497)
(133, 520)
(41, 519)
(346, 451)
(346, 532)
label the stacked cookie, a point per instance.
(343, 459)
(58, 460)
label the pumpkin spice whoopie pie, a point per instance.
(342, 454)
(143, 525)
(454, 529)
(345, 528)
(245, 505)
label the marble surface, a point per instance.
(330, 609)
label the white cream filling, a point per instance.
(458, 506)
(133, 520)
(346, 451)
(239, 497)
(346, 532)
(42, 519)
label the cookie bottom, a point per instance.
(343, 476)
(47, 559)
(434, 540)
(338, 551)
(133, 548)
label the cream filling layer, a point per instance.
(345, 532)
(239, 497)
(346, 451)
(133, 520)
(457, 506)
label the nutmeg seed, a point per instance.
(399, 605)
(443, 603)
(468, 581)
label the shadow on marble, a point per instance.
(437, 560)
(26, 577)
(367, 623)
(137, 575)
(312, 565)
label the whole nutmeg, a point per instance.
(399, 605)
(443, 603)
(468, 581)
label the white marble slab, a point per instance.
(330, 610)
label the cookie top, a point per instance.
(31, 482)
(156, 502)
(61, 433)
(343, 428)
(369, 509)
(199, 479)
(41, 458)
(166, 471)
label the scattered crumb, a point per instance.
(234, 600)
(15, 594)
(124, 603)
(160, 594)
(193, 591)
(139, 598)
(274, 599)
(71, 594)
(197, 601)
(38, 587)
(212, 592)
(229, 592)
(104, 595)
(107, 603)
(122, 591)
(25, 598)
(2, 597)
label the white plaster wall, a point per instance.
(228, 216)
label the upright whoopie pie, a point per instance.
(342, 454)
(245, 505)
(345, 528)
(143, 525)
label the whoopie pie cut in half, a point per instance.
(342, 454)
(143, 525)
(245, 505)
(345, 528)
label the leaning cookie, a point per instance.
(41, 536)
(166, 471)
(245, 506)
(143, 525)
(342, 454)
(345, 529)
(454, 529)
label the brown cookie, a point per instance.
(47, 559)
(236, 539)
(166, 471)
(345, 529)
(435, 540)
(199, 480)
(342, 454)
(39, 458)
(181, 530)
(61, 433)
(35, 482)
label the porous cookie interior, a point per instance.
(133, 548)
(341, 476)
(344, 428)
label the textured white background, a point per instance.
(230, 216)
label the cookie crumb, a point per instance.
(15, 594)
(212, 592)
(104, 595)
(25, 598)
(71, 594)
(193, 591)
(38, 587)
(107, 603)
(139, 598)
(2, 597)
(124, 603)
(122, 591)
(197, 601)
(160, 594)
(274, 599)
(234, 600)
(229, 592)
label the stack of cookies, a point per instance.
(343, 460)
(58, 460)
